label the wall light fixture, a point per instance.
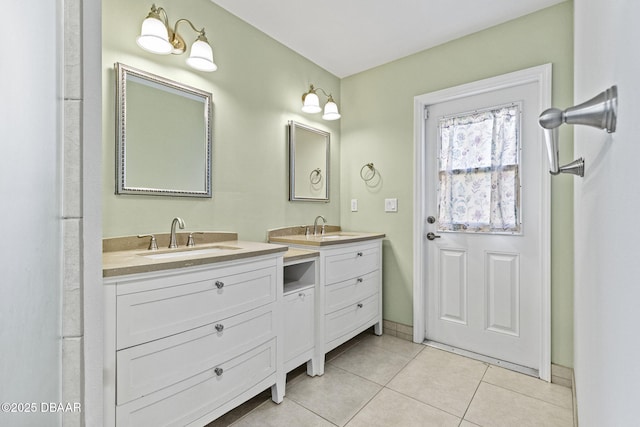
(311, 104)
(156, 36)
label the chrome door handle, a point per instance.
(432, 236)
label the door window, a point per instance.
(479, 184)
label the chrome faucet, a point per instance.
(172, 239)
(315, 225)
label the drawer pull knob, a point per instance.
(218, 371)
(359, 254)
(219, 284)
(359, 305)
(359, 280)
(219, 327)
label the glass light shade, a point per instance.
(331, 111)
(311, 103)
(154, 37)
(201, 56)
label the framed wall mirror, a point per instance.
(163, 141)
(308, 163)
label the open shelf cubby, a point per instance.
(299, 276)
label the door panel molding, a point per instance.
(502, 316)
(453, 266)
(542, 76)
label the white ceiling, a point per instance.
(349, 36)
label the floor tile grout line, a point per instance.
(423, 403)
(312, 411)
(364, 406)
(527, 395)
(315, 413)
(370, 380)
(357, 375)
(351, 373)
(413, 358)
(409, 360)
(357, 412)
(474, 393)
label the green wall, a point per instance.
(377, 126)
(256, 90)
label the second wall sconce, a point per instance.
(311, 104)
(600, 111)
(156, 36)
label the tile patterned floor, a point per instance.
(386, 381)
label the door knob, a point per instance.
(432, 236)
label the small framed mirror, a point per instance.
(163, 139)
(308, 163)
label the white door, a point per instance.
(483, 197)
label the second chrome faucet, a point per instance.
(315, 225)
(172, 239)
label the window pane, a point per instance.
(479, 188)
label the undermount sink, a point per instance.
(189, 252)
(339, 235)
(296, 235)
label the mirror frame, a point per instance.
(122, 72)
(292, 127)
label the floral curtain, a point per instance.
(479, 185)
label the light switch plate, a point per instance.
(354, 205)
(391, 205)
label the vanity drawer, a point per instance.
(202, 394)
(156, 313)
(146, 368)
(342, 294)
(355, 262)
(351, 318)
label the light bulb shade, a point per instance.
(201, 56)
(331, 111)
(154, 37)
(311, 103)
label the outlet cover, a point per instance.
(391, 205)
(354, 205)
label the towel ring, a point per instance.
(318, 177)
(371, 169)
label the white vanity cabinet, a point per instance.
(350, 294)
(183, 346)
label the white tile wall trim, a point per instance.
(72, 306)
